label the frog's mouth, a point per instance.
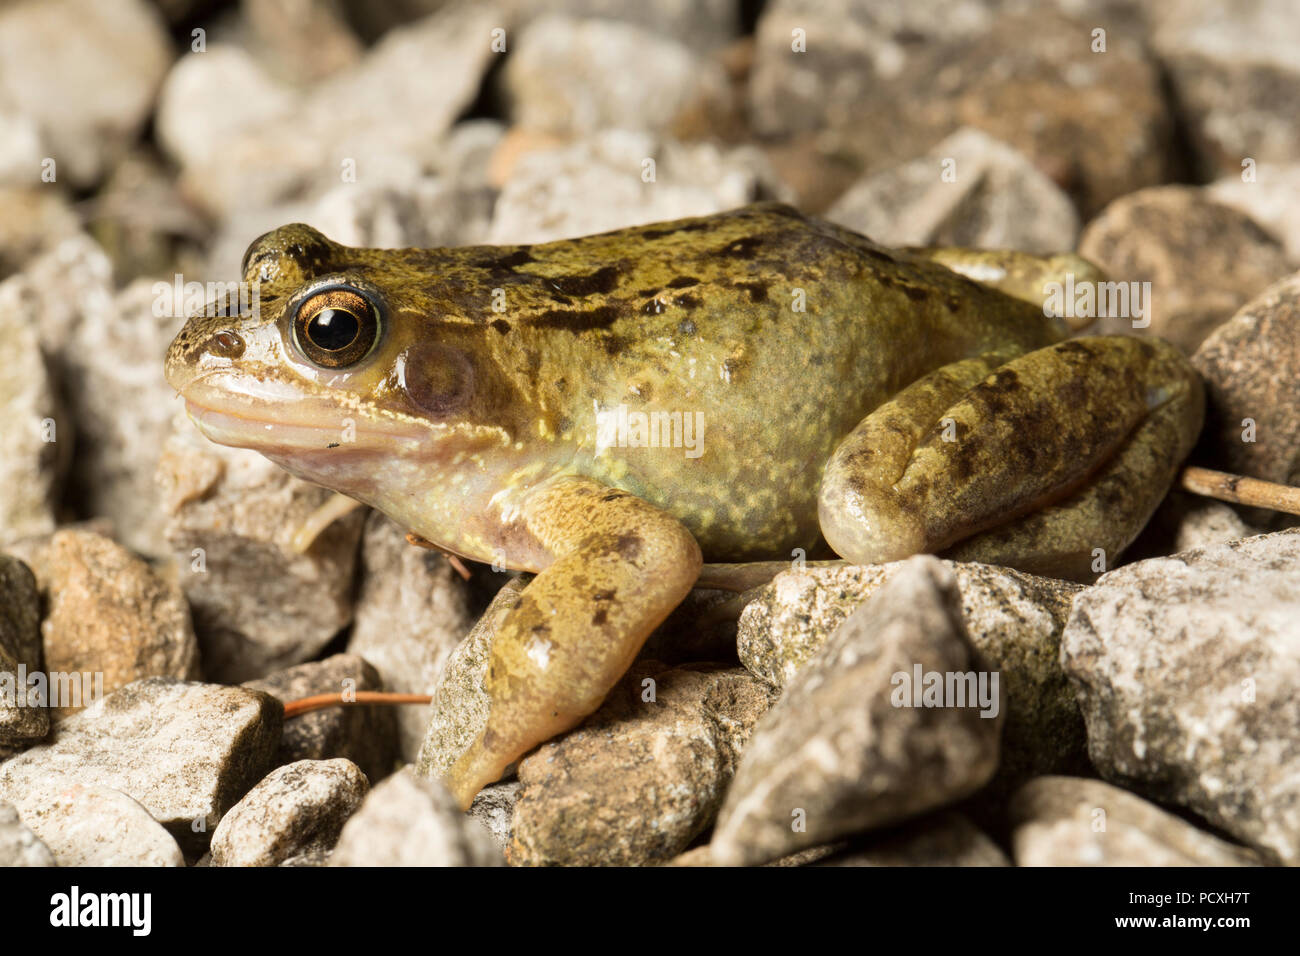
(279, 421)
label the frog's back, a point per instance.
(773, 332)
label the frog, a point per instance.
(616, 412)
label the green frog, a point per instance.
(610, 411)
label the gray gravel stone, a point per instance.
(547, 194)
(109, 613)
(19, 846)
(1068, 821)
(1234, 74)
(494, 808)
(1012, 618)
(409, 821)
(296, 811)
(641, 777)
(998, 200)
(32, 467)
(382, 117)
(1250, 365)
(846, 749)
(364, 734)
(1186, 669)
(946, 838)
(1203, 260)
(411, 612)
(569, 76)
(23, 716)
(460, 703)
(85, 74)
(96, 826)
(186, 751)
(232, 515)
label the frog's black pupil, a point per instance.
(333, 329)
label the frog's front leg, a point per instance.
(1037, 464)
(619, 566)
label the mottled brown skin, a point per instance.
(826, 369)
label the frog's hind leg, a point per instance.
(1036, 464)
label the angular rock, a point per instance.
(1251, 364)
(411, 612)
(86, 74)
(568, 77)
(295, 811)
(365, 735)
(641, 777)
(1013, 619)
(111, 615)
(1203, 260)
(258, 605)
(1185, 521)
(301, 43)
(377, 120)
(947, 838)
(96, 826)
(1069, 821)
(1271, 197)
(408, 821)
(546, 194)
(701, 24)
(460, 703)
(36, 216)
(1100, 124)
(186, 751)
(1186, 669)
(23, 715)
(429, 213)
(19, 846)
(1235, 78)
(36, 436)
(850, 47)
(494, 808)
(105, 349)
(998, 200)
(847, 748)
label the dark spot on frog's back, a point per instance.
(501, 325)
(573, 321)
(683, 282)
(500, 267)
(757, 290)
(915, 293)
(697, 226)
(742, 248)
(600, 282)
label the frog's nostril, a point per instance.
(226, 344)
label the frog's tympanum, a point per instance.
(610, 411)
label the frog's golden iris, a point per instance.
(336, 327)
(874, 399)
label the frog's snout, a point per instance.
(195, 346)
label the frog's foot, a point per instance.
(1022, 275)
(1036, 463)
(620, 566)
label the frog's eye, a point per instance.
(336, 328)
